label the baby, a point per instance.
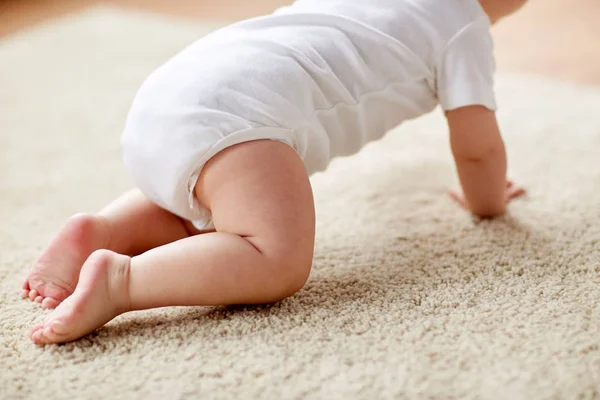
(221, 141)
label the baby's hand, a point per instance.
(511, 192)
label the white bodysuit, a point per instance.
(324, 76)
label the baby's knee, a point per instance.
(298, 275)
(291, 272)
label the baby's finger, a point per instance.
(514, 192)
(458, 197)
(454, 195)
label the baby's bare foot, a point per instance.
(54, 275)
(101, 294)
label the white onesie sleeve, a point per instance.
(465, 68)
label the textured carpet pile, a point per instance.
(409, 296)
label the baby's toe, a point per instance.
(33, 294)
(51, 332)
(24, 293)
(36, 333)
(49, 302)
(39, 299)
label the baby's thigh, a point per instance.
(260, 190)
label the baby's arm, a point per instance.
(480, 158)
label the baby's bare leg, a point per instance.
(136, 225)
(130, 225)
(263, 211)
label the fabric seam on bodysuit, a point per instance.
(233, 135)
(454, 37)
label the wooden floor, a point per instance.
(554, 38)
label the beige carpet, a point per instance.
(409, 296)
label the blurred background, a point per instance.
(555, 38)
